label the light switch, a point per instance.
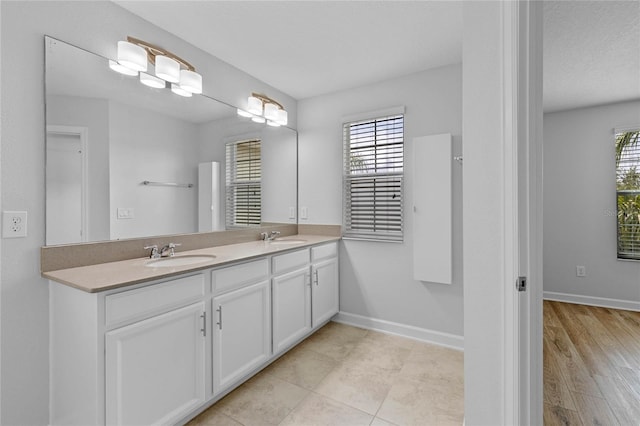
(304, 213)
(125, 213)
(292, 212)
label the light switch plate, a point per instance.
(14, 224)
(126, 213)
(304, 213)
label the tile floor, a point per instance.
(344, 375)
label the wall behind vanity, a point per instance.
(24, 312)
(376, 278)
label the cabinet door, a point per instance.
(155, 368)
(241, 333)
(291, 308)
(324, 290)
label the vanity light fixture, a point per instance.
(134, 55)
(261, 108)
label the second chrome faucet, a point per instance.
(166, 251)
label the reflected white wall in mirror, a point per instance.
(134, 133)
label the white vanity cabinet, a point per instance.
(241, 322)
(325, 279)
(160, 351)
(155, 368)
(131, 356)
(291, 289)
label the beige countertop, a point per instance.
(107, 276)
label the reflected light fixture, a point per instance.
(261, 108)
(152, 81)
(134, 55)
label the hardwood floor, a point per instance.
(591, 365)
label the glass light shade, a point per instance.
(283, 117)
(151, 81)
(270, 111)
(273, 123)
(167, 69)
(121, 69)
(180, 91)
(254, 106)
(258, 119)
(132, 56)
(191, 81)
(243, 113)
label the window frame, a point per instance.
(379, 222)
(632, 150)
(235, 186)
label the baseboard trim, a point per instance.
(602, 302)
(416, 333)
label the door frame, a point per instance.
(83, 134)
(502, 211)
(522, 91)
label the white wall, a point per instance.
(580, 205)
(94, 115)
(96, 26)
(376, 278)
(145, 145)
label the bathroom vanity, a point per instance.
(138, 342)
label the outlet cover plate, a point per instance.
(14, 224)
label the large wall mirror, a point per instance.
(125, 160)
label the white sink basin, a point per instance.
(188, 259)
(287, 241)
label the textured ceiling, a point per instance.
(308, 48)
(591, 53)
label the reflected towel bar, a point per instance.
(181, 185)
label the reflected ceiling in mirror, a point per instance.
(107, 134)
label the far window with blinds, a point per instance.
(243, 184)
(373, 179)
(628, 193)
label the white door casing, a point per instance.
(67, 200)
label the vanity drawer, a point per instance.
(290, 261)
(324, 251)
(237, 276)
(143, 302)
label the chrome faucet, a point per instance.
(169, 250)
(154, 251)
(269, 237)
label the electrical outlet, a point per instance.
(581, 271)
(14, 224)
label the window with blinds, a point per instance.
(628, 193)
(243, 184)
(373, 179)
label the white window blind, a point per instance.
(243, 183)
(628, 193)
(373, 178)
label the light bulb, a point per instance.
(180, 91)
(167, 69)
(121, 68)
(151, 81)
(258, 119)
(243, 113)
(283, 117)
(132, 56)
(254, 105)
(191, 81)
(271, 111)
